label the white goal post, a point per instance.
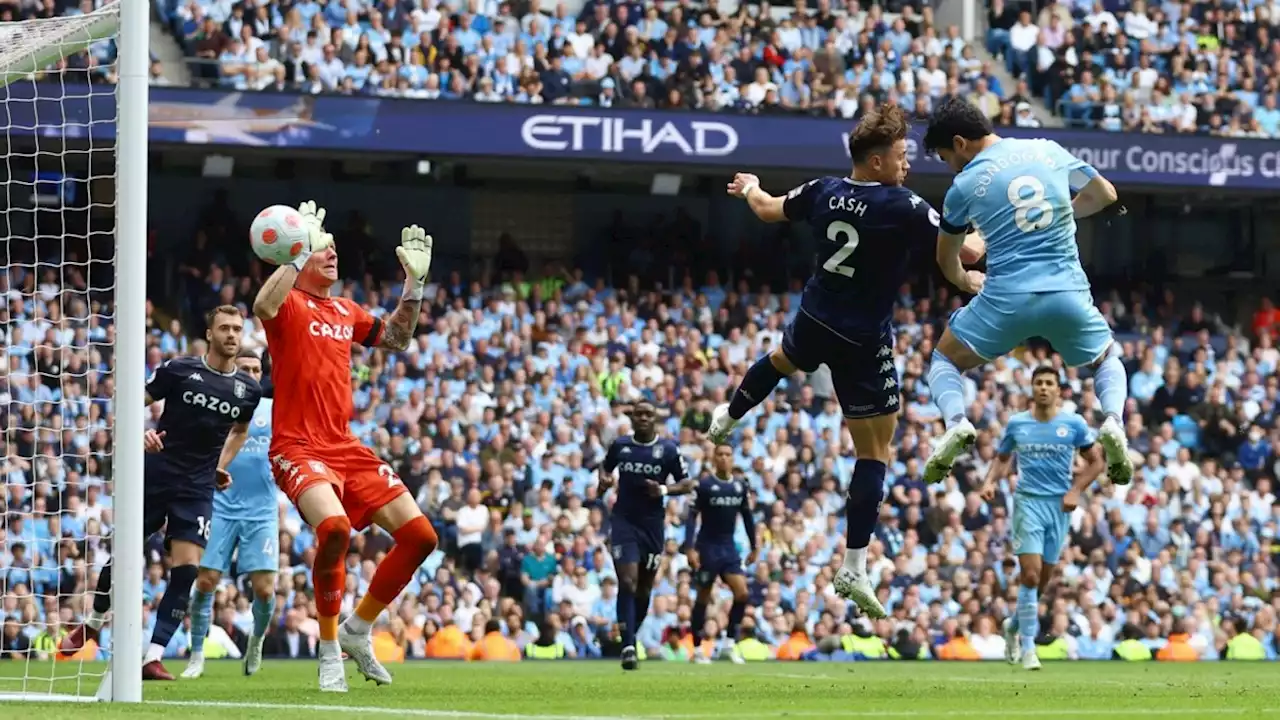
(62, 198)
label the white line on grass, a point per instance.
(471, 715)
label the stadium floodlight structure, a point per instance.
(60, 145)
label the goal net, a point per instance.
(65, 323)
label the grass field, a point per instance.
(600, 691)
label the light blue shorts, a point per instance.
(256, 541)
(1039, 527)
(992, 325)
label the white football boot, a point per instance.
(954, 442)
(1116, 447)
(333, 672)
(858, 588)
(721, 424)
(1012, 645)
(195, 666)
(253, 655)
(359, 647)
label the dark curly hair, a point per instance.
(955, 117)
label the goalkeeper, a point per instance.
(337, 483)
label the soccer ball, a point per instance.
(278, 234)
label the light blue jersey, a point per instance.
(252, 495)
(1017, 193)
(1046, 451)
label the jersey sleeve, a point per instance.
(924, 221)
(677, 467)
(253, 396)
(1007, 443)
(798, 205)
(162, 381)
(955, 209)
(1085, 436)
(366, 329)
(1079, 172)
(611, 458)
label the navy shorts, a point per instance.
(637, 542)
(862, 369)
(716, 561)
(183, 518)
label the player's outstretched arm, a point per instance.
(1000, 467)
(266, 305)
(1097, 195)
(766, 207)
(415, 256)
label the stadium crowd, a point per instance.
(1117, 65)
(499, 413)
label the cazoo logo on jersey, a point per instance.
(596, 134)
(332, 331)
(639, 468)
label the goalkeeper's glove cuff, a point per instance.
(300, 260)
(413, 288)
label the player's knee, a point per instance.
(418, 533)
(740, 595)
(207, 581)
(333, 535)
(1030, 575)
(781, 362)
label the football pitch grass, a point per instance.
(569, 690)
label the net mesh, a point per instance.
(57, 281)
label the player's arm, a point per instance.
(415, 256)
(926, 226)
(273, 293)
(748, 524)
(1094, 465)
(235, 440)
(767, 207)
(954, 231)
(1000, 468)
(1094, 193)
(690, 525)
(604, 474)
(683, 484)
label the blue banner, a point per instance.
(469, 129)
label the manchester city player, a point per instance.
(1045, 441)
(208, 403)
(1017, 194)
(246, 522)
(720, 500)
(644, 462)
(866, 226)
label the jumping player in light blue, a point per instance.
(1045, 439)
(1018, 194)
(245, 519)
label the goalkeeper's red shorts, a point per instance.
(363, 481)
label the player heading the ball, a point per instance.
(337, 483)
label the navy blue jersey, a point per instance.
(865, 235)
(637, 463)
(200, 406)
(719, 503)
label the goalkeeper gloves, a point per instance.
(415, 256)
(317, 239)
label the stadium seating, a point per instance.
(1191, 543)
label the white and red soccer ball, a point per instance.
(278, 234)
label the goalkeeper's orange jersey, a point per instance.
(310, 344)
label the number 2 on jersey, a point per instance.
(835, 263)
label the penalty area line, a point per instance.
(476, 715)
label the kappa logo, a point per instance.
(892, 401)
(311, 305)
(317, 467)
(884, 351)
(625, 451)
(195, 376)
(886, 366)
(890, 383)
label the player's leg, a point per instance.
(648, 575)
(866, 383)
(1081, 335)
(320, 507)
(626, 556)
(1032, 517)
(375, 494)
(762, 377)
(980, 331)
(258, 559)
(698, 620)
(201, 618)
(213, 565)
(736, 579)
(185, 536)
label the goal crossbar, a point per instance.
(55, 39)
